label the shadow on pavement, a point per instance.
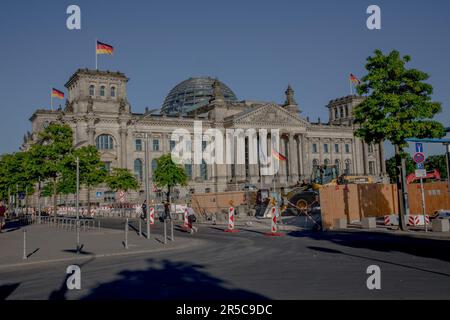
(7, 289)
(332, 251)
(383, 242)
(168, 280)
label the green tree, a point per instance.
(121, 180)
(437, 162)
(49, 154)
(398, 107)
(168, 174)
(391, 167)
(92, 169)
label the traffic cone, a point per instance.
(274, 226)
(231, 221)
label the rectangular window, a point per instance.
(108, 166)
(325, 148)
(347, 148)
(155, 145)
(172, 145)
(314, 148)
(138, 145)
(336, 148)
(371, 168)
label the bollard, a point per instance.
(231, 217)
(126, 234)
(165, 232)
(24, 245)
(274, 227)
(140, 227)
(171, 230)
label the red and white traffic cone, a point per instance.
(231, 228)
(274, 226)
(152, 216)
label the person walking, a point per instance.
(191, 219)
(2, 215)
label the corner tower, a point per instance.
(94, 91)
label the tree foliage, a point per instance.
(168, 174)
(399, 104)
(122, 179)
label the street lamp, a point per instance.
(147, 183)
(77, 159)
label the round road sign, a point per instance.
(419, 157)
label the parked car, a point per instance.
(441, 214)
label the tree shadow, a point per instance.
(7, 289)
(169, 280)
(383, 242)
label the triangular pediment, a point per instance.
(268, 115)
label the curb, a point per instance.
(104, 255)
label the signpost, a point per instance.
(419, 159)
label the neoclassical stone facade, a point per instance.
(99, 113)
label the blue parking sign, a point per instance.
(420, 166)
(419, 147)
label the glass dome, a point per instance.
(193, 93)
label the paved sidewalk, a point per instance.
(46, 244)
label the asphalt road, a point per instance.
(250, 265)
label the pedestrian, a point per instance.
(167, 210)
(191, 219)
(2, 215)
(144, 210)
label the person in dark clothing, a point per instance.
(2, 215)
(167, 210)
(144, 210)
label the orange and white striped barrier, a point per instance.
(186, 219)
(417, 220)
(274, 226)
(231, 228)
(152, 216)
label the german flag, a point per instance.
(354, 79)
(103, 48)
(278, 155)
(57, 94)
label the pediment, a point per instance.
(269, 115)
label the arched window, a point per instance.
(138, 170)
(154, 166)
(113, 92)
(336, 113)
(102, 91)
(326, 162)
(204, 170)
(337, 163)
(104, 142)
(348, 165)
(92, 90)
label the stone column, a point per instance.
(293, 159)
(123, 148)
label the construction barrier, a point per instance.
(418, 220)
(152, 216)
(274, 226)
(231, 221)
(186, 219)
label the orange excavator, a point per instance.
(431, 175)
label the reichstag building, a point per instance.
(98, 111)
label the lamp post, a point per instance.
(147, 182)
(77, 205)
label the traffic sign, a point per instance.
(420, 166)
(421, 173)
(419, 157)
(419, 147)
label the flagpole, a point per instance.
(351, 87)
(51, 98)
(96, 55)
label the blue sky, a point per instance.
(256, 47)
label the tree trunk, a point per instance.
(401, 187)
(89, 199)
(168, 194)
(55, 199)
